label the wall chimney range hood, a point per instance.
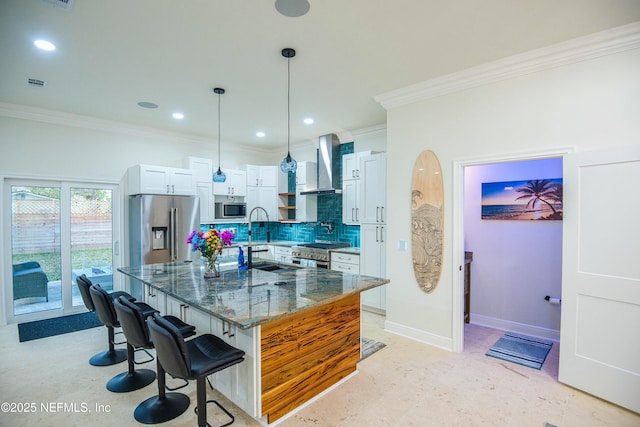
(328, 166)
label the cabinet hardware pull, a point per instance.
(377, 234)
(167, 188)
(377, 213)
(381, 231)
(381, 213)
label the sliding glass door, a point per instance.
(59, 230)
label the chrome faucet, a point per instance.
(249, 250)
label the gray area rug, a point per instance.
(370, 346)
(521, 349)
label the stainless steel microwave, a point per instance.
(227, 210)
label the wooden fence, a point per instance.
(35, 225)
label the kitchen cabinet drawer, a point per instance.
(347, 263)
(282, 254)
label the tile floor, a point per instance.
(404, 384)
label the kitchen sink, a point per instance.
(276, 268)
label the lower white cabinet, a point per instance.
(283, 254)
(373, 263)
(239, 382)
(190, 315)
(154, 298)
(347, 263)
(262, 252)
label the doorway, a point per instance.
(58, 231)
(495, 299)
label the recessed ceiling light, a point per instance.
(178, 116)
(44, 45)
(145, 104)
(260, 134)
(308, 121)
(292, 8)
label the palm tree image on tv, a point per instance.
(539, 199)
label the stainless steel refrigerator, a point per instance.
(159, 226)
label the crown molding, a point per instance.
(593, 46)
(75, 120)
(25, 112)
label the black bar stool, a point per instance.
(164, 406)
(194, 359)
(110, 356)
(132, 379)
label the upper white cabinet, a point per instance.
(202, 173)
(146, 179)
(306, 176)
(201, 168)
(373, 189)
(351, 183)
(262, 190)
(262, 176)
(351, 165)
(234, 186)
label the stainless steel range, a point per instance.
(315, 254)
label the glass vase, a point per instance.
(210, 268)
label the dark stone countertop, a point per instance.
(250, 298)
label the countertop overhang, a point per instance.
(252, 297)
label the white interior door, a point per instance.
(600, 338)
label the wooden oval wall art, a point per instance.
(427, 220)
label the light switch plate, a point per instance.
(402, 245)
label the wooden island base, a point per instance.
(306, 353)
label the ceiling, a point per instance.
(113, 54)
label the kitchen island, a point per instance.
(299, 327)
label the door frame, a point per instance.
(6, 304)
(457, 226)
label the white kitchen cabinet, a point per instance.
(347, 263)
(373, 189)
(265, 197)
(202, 173)
(207, 212)
(201, 168)
(351, 164)
(154, 298)
(283, 254)
(373, 239)
(234, 186)
(147, 179)
(351, 202)
(262, 190)
(306, 176)
(351, 187)
(262, 252)
(238, 382)
(262, 176)
(189, 314)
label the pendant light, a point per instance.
(219, 176)
(288, 163)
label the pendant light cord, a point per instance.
(288, 106)
(218, 131)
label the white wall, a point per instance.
(515, 263)
(590, 104)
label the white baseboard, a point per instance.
(445, 343)
(521, 328)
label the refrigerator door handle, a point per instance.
(173, 250)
